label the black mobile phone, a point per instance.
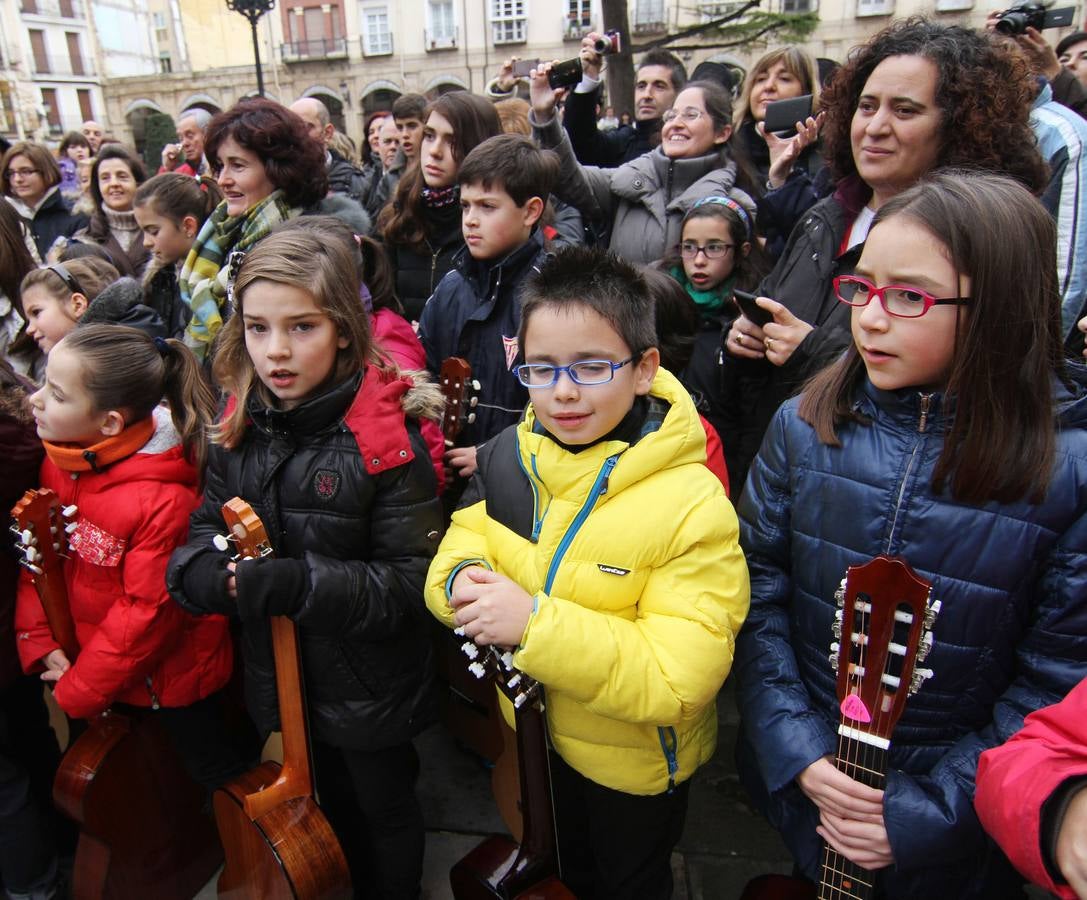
(782, 115)
(522, 67)
(755, 313)
(565, 74)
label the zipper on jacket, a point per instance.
(151, 691)
(669, 743)
(668, 184)
(922, 424)
(537, 516)
(599, 488)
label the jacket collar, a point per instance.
(908, 408)
(311, 417)
(482, 274)
(49, 200)
(649, 173)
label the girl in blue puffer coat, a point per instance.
(950, 434)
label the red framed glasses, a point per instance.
(899, 300)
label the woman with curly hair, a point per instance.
(917, 97)
(269, 171)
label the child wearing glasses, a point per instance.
(474, 312)
(716, 254)
(595, 542)
(951, 434)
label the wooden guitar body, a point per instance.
(278, 843)
(272, 856)
(143, 829)
(496, 868)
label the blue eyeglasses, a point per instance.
(586, 373)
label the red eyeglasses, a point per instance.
(897, 299)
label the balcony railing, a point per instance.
(62, 65)
(575, 29)
(649, 26)
(441, 40)
(57, 9)
(377, 44)
(322, 48)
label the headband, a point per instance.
(61, 271)
(745, 216)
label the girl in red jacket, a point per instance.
(131, 468)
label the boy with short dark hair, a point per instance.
(408, 112)
(475, 312)
(594, 540)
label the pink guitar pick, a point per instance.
(853, 708)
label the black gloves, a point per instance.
(271, 587)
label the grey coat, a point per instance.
(644, 199)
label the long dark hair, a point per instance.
(404, 221)
(1007, 347)
(984, 90)
(98, 228)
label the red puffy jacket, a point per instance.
(1016, 778)
(137, 645)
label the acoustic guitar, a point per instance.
(500, 867)
(461, 394)
(882, 630)
(279, 845)
(143, 829)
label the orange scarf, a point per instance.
(74, 458)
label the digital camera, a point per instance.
(1018, 19)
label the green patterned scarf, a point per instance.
(208, 274)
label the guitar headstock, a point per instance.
(42, 527)
(461, 395)
(882, 630)
(245, 531)
(517, 687)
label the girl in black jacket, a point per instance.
(421, 225)
(322, 441)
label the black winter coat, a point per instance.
(475, 313)
(53, 219)
(344, 178)
(418, 272)
(802, 280)
(162, 294)
(606, 149)
(343, 483)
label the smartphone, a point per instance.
(782, 115)
(755, 313)
(523, 67)
(565, 74)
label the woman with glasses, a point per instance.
(31, 184)
(917, 97)
(644, 200)
(951, 434)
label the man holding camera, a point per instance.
(659, 78)
(187, 156)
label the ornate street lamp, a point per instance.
(253, 10)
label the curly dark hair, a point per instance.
(984, 91)
(293, 161)
(115, 151)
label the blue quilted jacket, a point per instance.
(1011, 636)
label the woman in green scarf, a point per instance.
(269, 170)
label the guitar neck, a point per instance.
(53, 594)
(538, 836)
(841, 879)
(296, 777)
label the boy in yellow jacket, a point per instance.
(594, 540)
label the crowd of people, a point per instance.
(691, 419)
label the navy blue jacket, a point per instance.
(475, 313)
(1011, 636)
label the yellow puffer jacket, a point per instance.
(632, 553)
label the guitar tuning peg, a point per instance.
(70, 527)
(474, 401)
(221, 542)
(839, 595)
(69, 511)
(33, 568)
(471, 418)
(520, 700)
(459, 631)
(514, 681)
(469, 649)
(507, 659)
(919, 677)
(27, 536)
(836, 629)
(931, 612)
(925, 647)
(477, 669)
(476, 386)
(834, 650)
(31, 554)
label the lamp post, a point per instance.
(253, 10)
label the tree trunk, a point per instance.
(620, 66)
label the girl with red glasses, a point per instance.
(952, 434)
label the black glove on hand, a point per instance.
(271, 587)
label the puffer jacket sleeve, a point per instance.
(197, 575)
(141, 625)
(464, 544)
(380, 597)
(931, 819)
(585, 187)
(1016, 780)
(774, 704)
(680, 643)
